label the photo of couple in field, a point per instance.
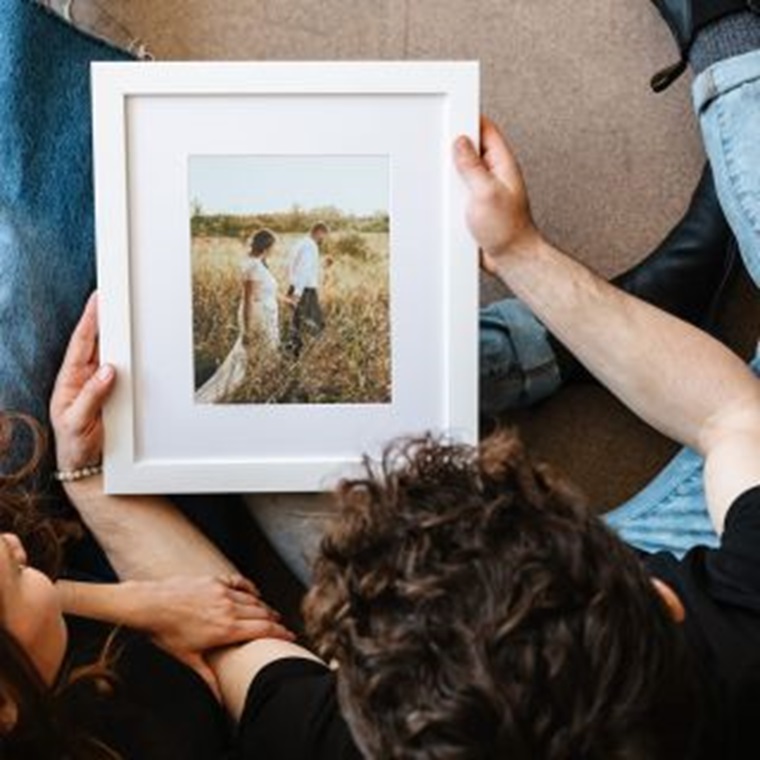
(291, 279)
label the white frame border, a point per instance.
(112, 85)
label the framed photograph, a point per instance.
(286, 278)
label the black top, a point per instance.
(292, 713)
(720, 589)
(292, 710)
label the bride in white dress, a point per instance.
(258, 324)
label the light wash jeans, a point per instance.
(518, 367)
(671, 513)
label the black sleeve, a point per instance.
(292, 713)
(734, 569)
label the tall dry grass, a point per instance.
(349, 363)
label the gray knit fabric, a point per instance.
(729, 37)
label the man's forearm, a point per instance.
(672, 375)
(145, 537)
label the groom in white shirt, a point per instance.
(305, 267)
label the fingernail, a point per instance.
(462, 144)
(105, 373)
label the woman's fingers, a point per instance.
(247, 605)
(248, 611)
(88, 405)
(83, 344)
(240, 583)
(78, 363)
(253, 630)
(243, 597)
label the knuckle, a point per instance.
(219, 594)
(261, 630)
(218, 589)
(229, 628)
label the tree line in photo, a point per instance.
(297, 218)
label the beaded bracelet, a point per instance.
(71, 476)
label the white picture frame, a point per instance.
(149, 119)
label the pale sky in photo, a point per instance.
(244, 185)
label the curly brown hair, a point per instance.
(477, 609)
(23, 507)
(47, 726)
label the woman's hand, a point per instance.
(81, 389)
(185, 616)
(499, 211)
(189, 616)
(194, 614)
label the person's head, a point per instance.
(319, 232)
(30, 611)
(33, 636)
(476, 609)
(261, 243)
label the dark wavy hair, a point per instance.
(476, 609)
(261, 241)
(47, 726)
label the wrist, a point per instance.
(82, 487)
(114, 603)
(75, 460)
(75, 475)
(68, 596)
(133, 604)
(504, 259)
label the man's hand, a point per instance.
(498, 212)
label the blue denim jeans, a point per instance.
(517, 363)
(671, 513)
(727, 102)
(518, 366)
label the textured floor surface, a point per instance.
(610, 165)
